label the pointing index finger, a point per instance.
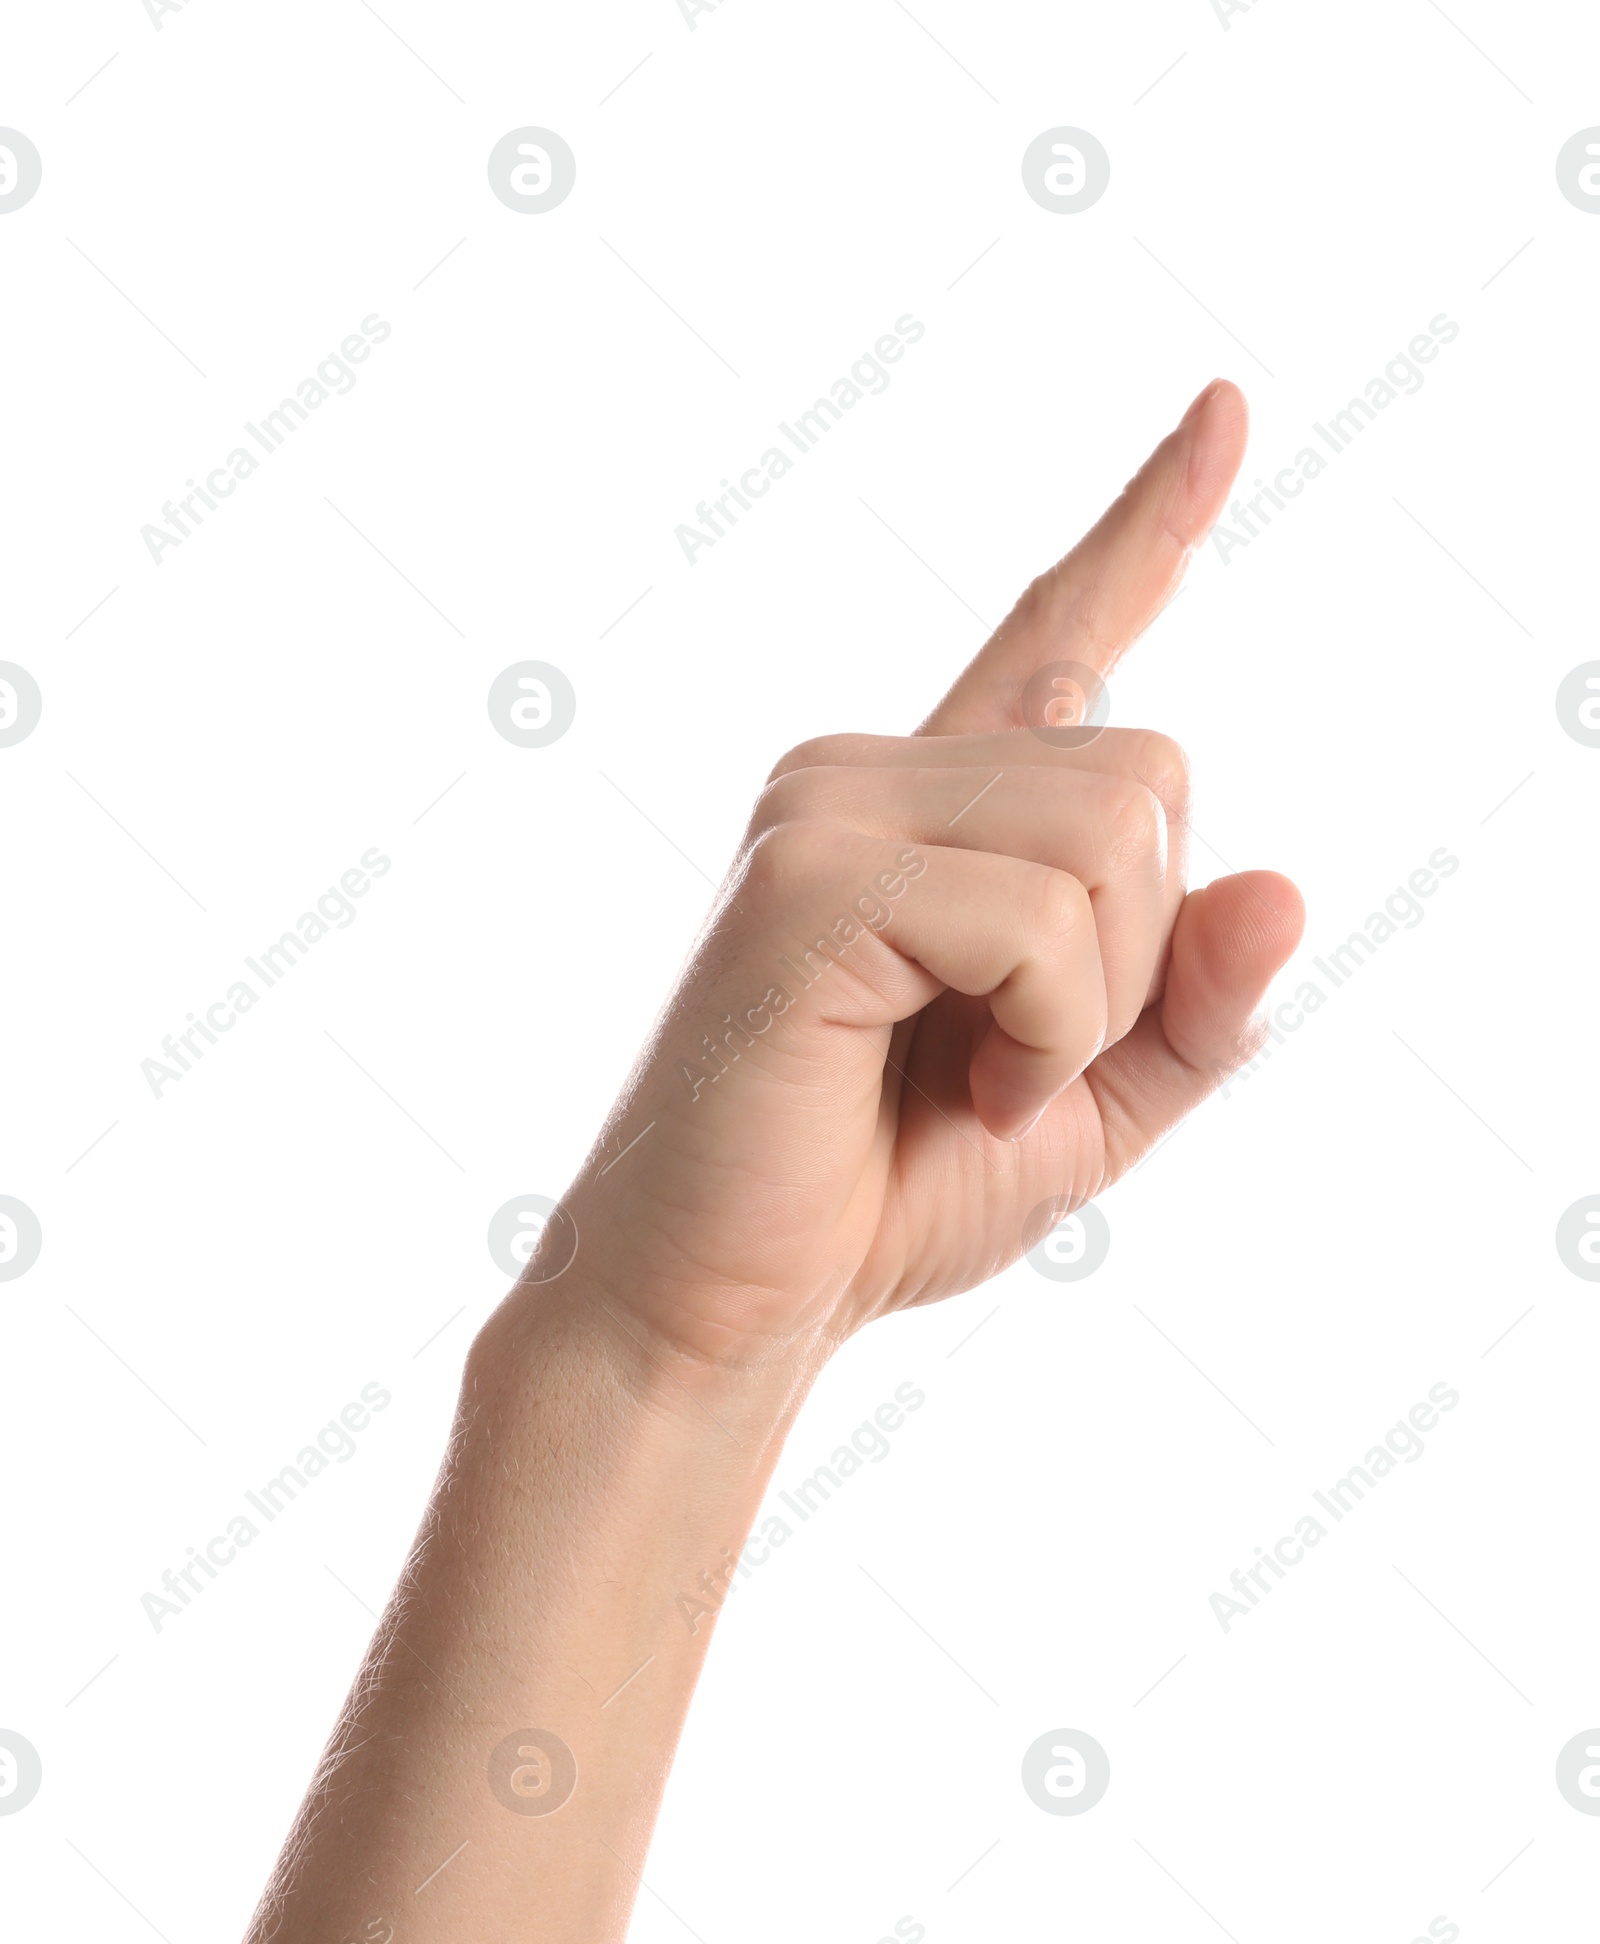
(1093, 604)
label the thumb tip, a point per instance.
(1254, 920)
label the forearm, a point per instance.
(596, 1490)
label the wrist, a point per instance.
(640, 1469)
(573, 1342)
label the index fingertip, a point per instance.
(1218, 425)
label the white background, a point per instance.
(1370, 680)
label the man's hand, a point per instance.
(954, 984)
(953, 978)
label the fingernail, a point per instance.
(1211, 459)
(1199, 404)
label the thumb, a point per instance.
(1230, 940)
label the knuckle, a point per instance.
(1162, 765)
(790, 860)
(793, 796)
(1044, 598)
(1061, 906)
(1133, 822)
(818, 752)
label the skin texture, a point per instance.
(954, 984)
